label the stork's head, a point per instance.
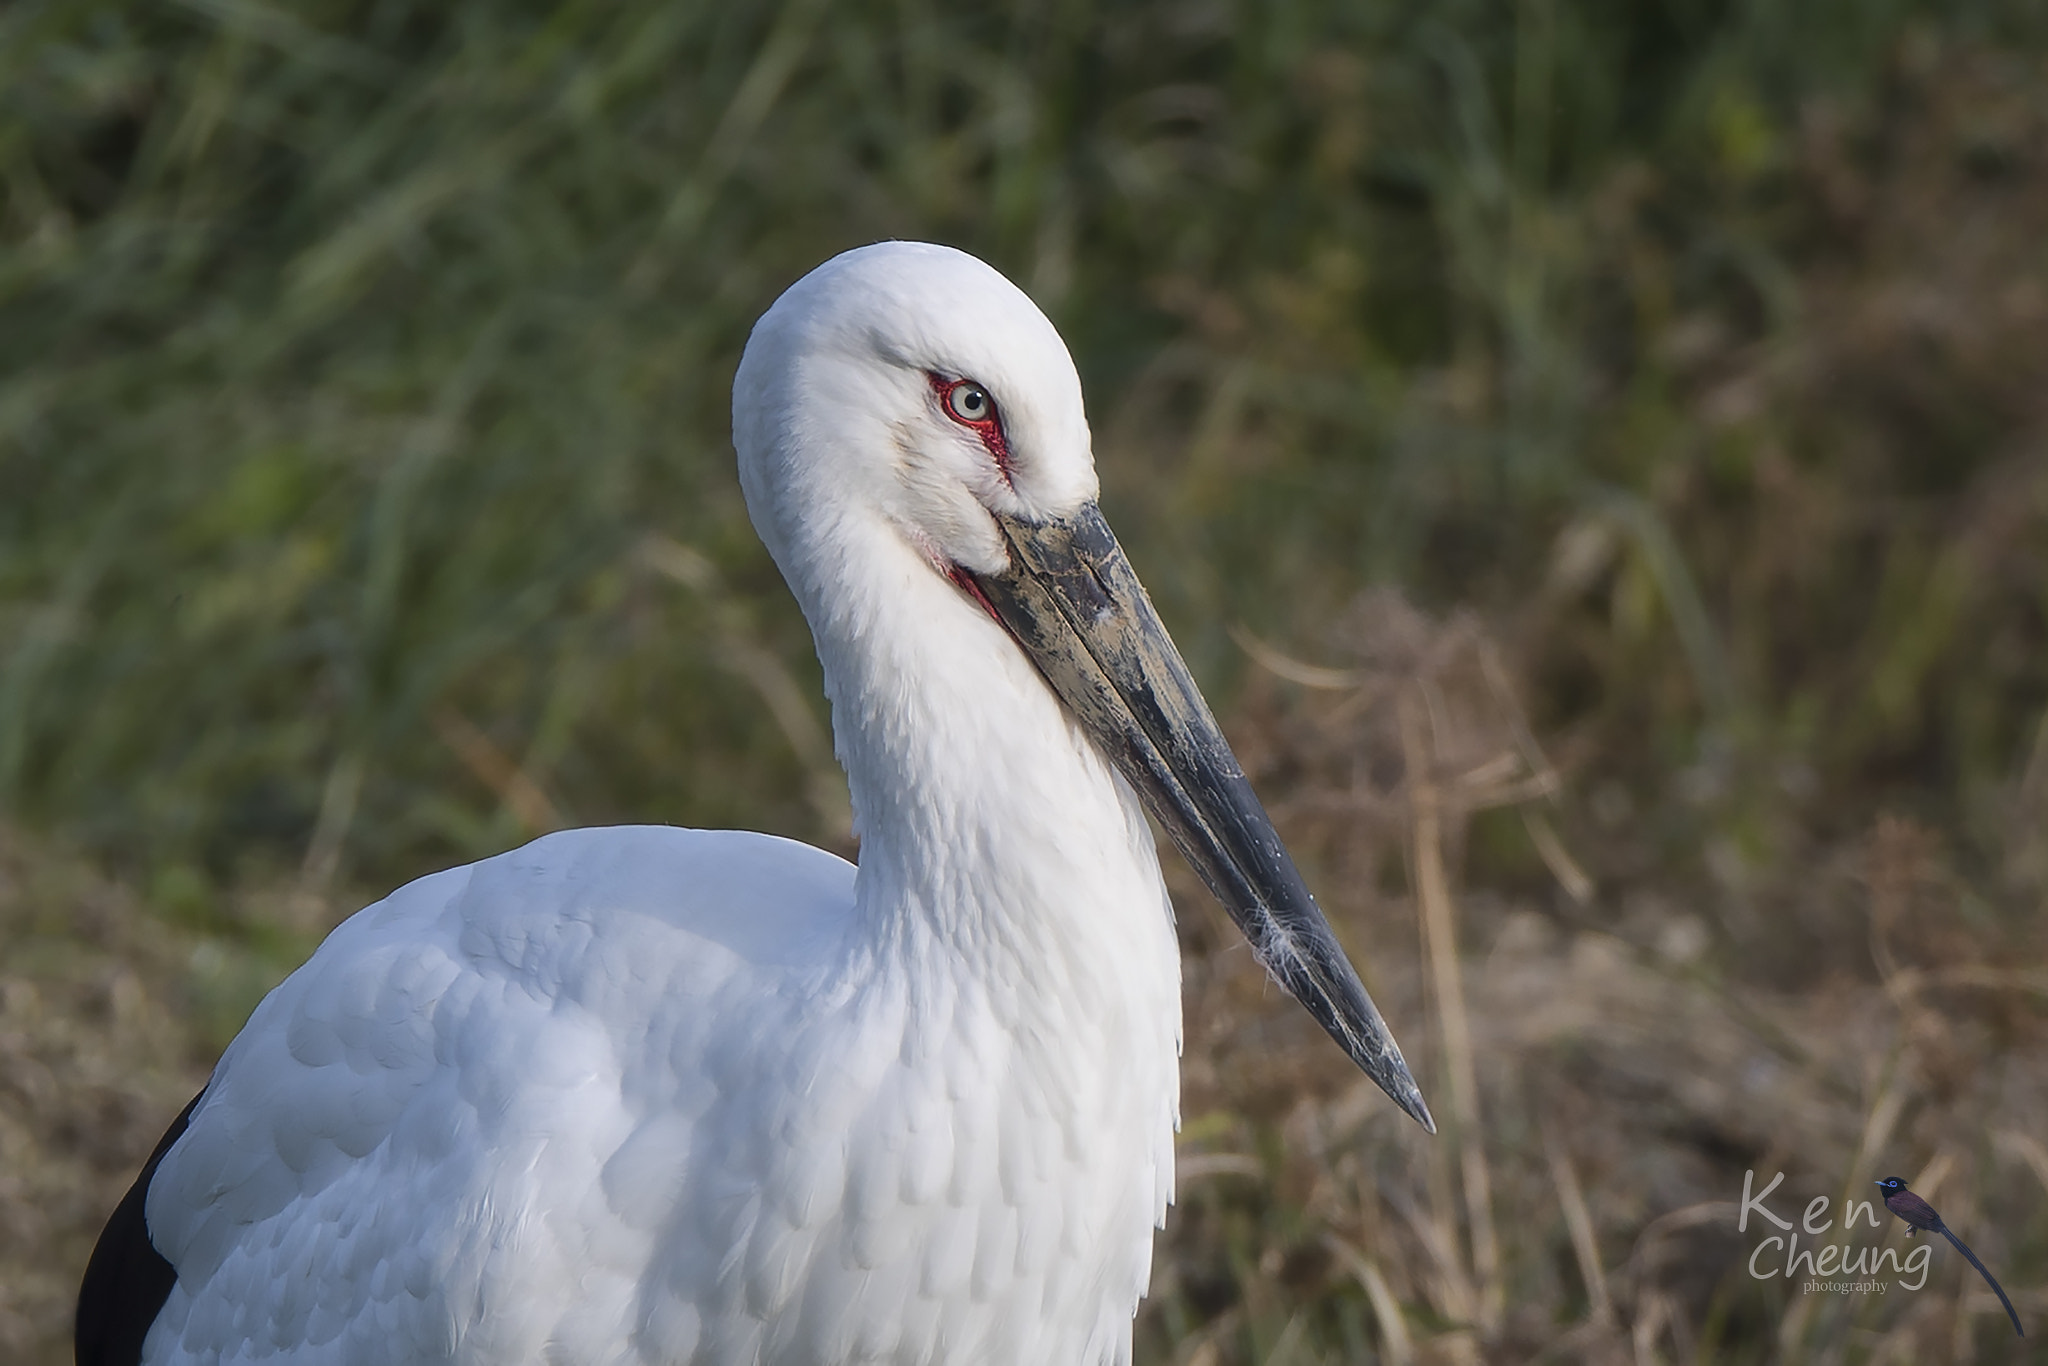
(910, 394)
(914, 382)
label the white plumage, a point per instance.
(649, 1095)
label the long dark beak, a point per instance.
(1071, 598)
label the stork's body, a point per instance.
(659, 1095)
(647, 1095)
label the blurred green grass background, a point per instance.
(366, 505)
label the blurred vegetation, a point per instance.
(366, 505)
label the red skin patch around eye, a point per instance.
(989, 429)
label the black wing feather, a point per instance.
(127, 1280)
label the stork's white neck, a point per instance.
(987, 820)
(1008, 896)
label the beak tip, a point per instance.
(1388, 1070)
(1406, 1094)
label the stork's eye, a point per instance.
(974, 408)
(968, 402)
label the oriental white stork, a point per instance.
(649, 1095)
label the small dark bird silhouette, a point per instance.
(1918, 1214)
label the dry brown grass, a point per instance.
(1629, 1059)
